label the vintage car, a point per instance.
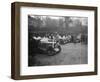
(44, 46)
(49, 46)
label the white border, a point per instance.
(25, 70)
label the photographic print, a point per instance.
(57, 40)
(53, 40)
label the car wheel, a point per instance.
(57, 49)
(51, 51)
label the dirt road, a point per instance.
(70, 54)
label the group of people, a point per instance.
(51, 36)
(59, 37)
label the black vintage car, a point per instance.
(44, 46)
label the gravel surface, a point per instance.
(70, 54)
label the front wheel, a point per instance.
(53, 51)
(57, 49)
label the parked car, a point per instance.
(82, 38)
